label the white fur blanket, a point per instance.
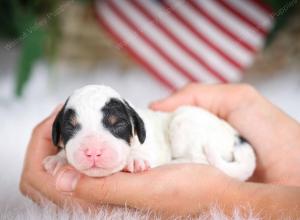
(30, 210)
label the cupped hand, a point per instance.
(180, 188)
(274, 135)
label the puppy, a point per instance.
(99, 133)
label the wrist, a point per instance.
(232, 101)
(265, 200)
(273, 134)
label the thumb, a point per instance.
(71, 182)
(67, 179)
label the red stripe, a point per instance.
(266, 8)
(130, 51)
(238, 14)
(230, 34)
(176, 40)
(137, 29)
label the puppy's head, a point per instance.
(96, 127)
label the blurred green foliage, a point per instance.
(32, 25)
(282, 9)
(32, 50)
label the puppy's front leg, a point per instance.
(53, 163)
(137, 161)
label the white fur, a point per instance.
(49, 211)
(189, 134)
(192, 134)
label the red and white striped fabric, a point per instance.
(179, 41)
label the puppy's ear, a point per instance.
(138, 123)
(57, 126)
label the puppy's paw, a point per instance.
(53, 163)
(136, 165)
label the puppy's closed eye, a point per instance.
(70, 119)
(112, 119)
(73, 121)
(117, 123)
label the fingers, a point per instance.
(28, 191)
(44, 190)
(220, 99)
(181, 97)
(40, 144)
(192, 94)
(67, 179)
(41, 185)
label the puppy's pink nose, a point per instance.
(93, 153)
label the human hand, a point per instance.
(177, 189)
(173, 189)
(273, 134)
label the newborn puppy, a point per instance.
(99, 133)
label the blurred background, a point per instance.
(145, 49)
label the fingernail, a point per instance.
(67, 180)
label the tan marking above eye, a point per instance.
(73, 121)
(112, 119)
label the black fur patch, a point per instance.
(121, 120)
(139, 126)
(65, 126)
(117, 120)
